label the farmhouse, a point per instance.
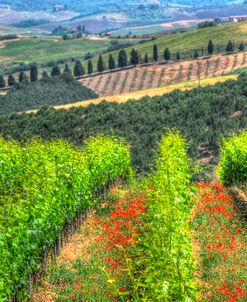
(108, 34)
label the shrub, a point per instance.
(233, 159)
(43, 186)
(166, 256)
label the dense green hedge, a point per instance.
(233, 159)
(43, 186)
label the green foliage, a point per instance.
(146, 58)
(165, 255)
(111, 62)
(210, 47)
(196, 55)
(47, 91)
(2, 81)
(100, 66)
(43, 186)
(205, 24)
(78, 69)
(202, 115)
(233, 159)
(8, 37)
(122, 58)
(134, 57)
(30, 23)
(90, 67)
(229, 47)
(100, 159)
(22, 77)
(56, 72)
(241, 46)
(167, 54)
(34, 73)
(11, 80)
(67, 74)
(155, 52)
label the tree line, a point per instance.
(202, 115)
(48, 90)
(122, 61)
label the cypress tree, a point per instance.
(146, 58)
(122, 58)
(78, 69)
(90, 67)
(45, 76)
(155, 52)
(178, 56)
(67, 74)
(111, 62)
(167, 54)
(2, 81)
(67, 69)
(21, 77)
(55, 72)
(100, 65)
(11, 80)
(34, 73)
(134, 57)
(210, 47)
(241, 46)
(229, 47)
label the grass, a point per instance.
(136, 95)
(194, 39)
(40, 50)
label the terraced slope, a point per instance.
(153, 76)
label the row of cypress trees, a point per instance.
(122, 62)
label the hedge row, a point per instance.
(166, 257)
(42, 187)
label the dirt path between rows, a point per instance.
(158, 75)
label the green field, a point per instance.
(45, 49)
(42, 50)
(194, 39)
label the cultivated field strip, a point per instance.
(145, 77)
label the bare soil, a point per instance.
(154, 76)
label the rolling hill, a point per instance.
(193, 40)
(82, 6)
(153, 76)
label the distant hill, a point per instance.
(99, 6)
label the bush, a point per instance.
(233, 159)
(43, 186)
(165, 257)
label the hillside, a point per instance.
(202, 115)
(151, 92)
(45, 92)
(153, 76)
(112, 5)
(16, 54)
(194, 40)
